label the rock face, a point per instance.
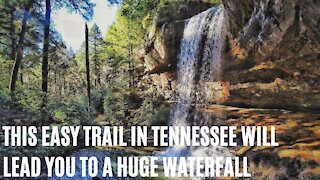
(163, 47)
(272, 53)
(162, 44)
(273, 56)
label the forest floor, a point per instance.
(10, 116)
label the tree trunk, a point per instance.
(55, 82)
(96, 65)
(131, 68)
(88, 65)
(45, 53)
(12, 35)
(46, 47)
(21, 74)
(18, 59)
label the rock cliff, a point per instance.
(162, 43)
(274, 52)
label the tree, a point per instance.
(84, 8)
(123, 39)
(46, 51)
(12, 34)
(8, 28)
(96, 39)
(19, 56)
(59, 64)
(88, 64)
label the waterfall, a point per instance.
(199, 63)
(200, 55)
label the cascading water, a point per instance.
(200, 55)
(199, 64)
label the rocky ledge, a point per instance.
(273, 56)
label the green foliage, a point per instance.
(82, 7)
(132, 99)
(30, 100)
(215, 2)
(60, 116)
(154, 112)
(114, 105)
(161, 116)
(133, 20)
(147, 109)
(78, 112)
(5, 67)
(97, 101)
(4, 99)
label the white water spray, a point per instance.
(199, 63)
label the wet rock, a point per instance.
(165, 83)
(162, 44)
(218, 91)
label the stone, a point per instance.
(273, 58)
(162, 45)
(218, 91)
(161, 51)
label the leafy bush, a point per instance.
(215, 2)
(60, 116)
(29, 99)
(97, 101)
(153, 111)
(4, 99)
(147, 109)
(132, 100)
(114, 104)
(161, 116)
(78, 112)
(5, 71)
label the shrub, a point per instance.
(78, 112)
(161, 116)
(29, 99)
(154, 111)
(114, 104)
(215, 2)
(4, 99)
(97, 101)
(146, 110)
(132, 99)
(60, 116)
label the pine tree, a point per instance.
(96, 41)
(87, 63)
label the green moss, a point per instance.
(215, 2)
